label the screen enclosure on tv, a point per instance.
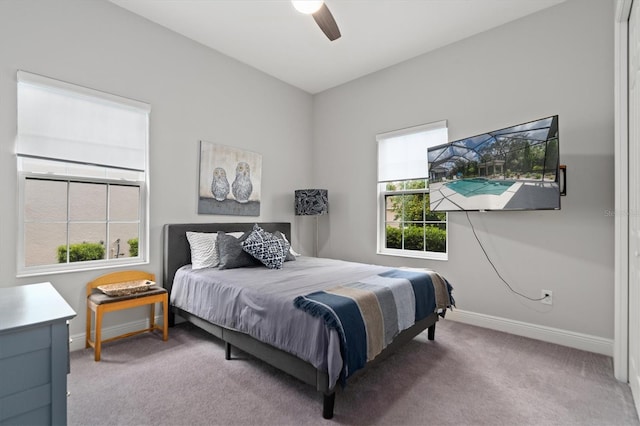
(515, 168)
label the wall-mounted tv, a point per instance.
(516, 168)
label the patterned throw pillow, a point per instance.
(290, 253)
(266, 247)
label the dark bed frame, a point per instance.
(177, 253)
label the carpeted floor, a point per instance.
(467, 376)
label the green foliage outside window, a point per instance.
(411, 216)
(133, 247)
(434, 237)
(81, 252)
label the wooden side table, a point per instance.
(100, 303)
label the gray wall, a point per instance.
(195, 94)
(558, 61)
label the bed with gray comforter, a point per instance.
(295, 318)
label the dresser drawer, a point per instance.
(26, 371)
(24, 341)
(27, 406)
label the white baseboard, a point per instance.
(558, 336)
(78, 340)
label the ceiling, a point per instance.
(272, 36)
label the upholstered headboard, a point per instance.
(177, 252)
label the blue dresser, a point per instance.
(34, 355)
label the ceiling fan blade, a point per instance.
(327, 24)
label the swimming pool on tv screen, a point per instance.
(479, 186)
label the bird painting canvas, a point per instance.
(229, 180)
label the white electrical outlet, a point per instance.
(547, 296)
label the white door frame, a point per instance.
(621, 274)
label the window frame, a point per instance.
(382, 230)
(56, 268)
(382, 194)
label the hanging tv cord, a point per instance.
(496, 269)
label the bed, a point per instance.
(302, 345)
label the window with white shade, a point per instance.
(406, 226)
(82, 163)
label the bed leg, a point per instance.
(431, 334)
(328, 401)
(171, 318)
(227, 351)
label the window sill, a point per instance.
(415, 255)
(40, 271)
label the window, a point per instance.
(406, 226)
(82, 164)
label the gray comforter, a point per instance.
(259, 301)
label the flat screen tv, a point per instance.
(516, 168)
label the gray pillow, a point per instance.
(231, 253)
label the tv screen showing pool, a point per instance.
(515, 168)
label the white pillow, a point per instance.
(291, 250)
(291, 254)
(203, 249)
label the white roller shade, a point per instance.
(61, 121)
(402, 154)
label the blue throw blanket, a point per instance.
(369, 314)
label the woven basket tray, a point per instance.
(126, 288)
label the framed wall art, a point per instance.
(229, 180)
